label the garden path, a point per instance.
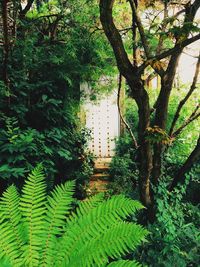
(100, 179)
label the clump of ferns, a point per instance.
(40, 230)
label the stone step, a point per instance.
(100, 179)
(99, 176)
(98, 186)
(101, 169)
(103, 162)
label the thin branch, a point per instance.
(120, 113)
(6, 43)
(113, 35)
(184, 100)
(140, 28)
(171, 51)
(163, 28)
(194, 157)
(23, 12)
(192, 117)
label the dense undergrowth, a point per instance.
(174, 235)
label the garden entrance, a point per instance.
(102, 118)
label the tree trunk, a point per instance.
(5, 43)
(139, 94)
(145, 153)
(162, 112)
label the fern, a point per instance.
(95, 222)
(54, 235)
(57, 208)
(10, 213)
(123, 263)
(32, 205)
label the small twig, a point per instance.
(163, 28)
(120, 113)
(184, 100)
(192, 117)
(170, 52)
(140, 28)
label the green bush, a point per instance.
(123, 168)
(61, 150)
(40, 230)
(174, 238)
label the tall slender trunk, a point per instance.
(162, 112)
(160, 121)
(5, 42)
(145, 151)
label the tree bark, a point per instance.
(161, 113)
(166, 88)
(140, 95)
(5, 42)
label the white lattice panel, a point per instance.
(102, 119)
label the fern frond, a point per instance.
(124, 263)
(11, 214)
(58, 207)
(4, 262)
(32, 205)
(85, 206)
(94, 222)
(113, 243)
(9, 245)
(91, 236)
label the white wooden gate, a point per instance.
(102, 118)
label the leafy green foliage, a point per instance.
(39, 111)
(123, 168)
(174, 234)
(41, 230)
(157, 135)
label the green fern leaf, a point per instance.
(124, 263)
(58, 207)
(85, 206)
(32, 205)
(11, 214)
(95, 223)
(91, 236)
(9, 245)
(113, 243)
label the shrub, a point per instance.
(61, 150)
(41, 230)
(124, 168)
(175, 234)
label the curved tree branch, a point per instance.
(140, 28)
(24, 11)
(170, 52)
(120, 113)
(194, 157)
(184, 100)
(192, 117)
(139, 93)
(115, 39)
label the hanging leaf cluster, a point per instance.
(157, 135)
